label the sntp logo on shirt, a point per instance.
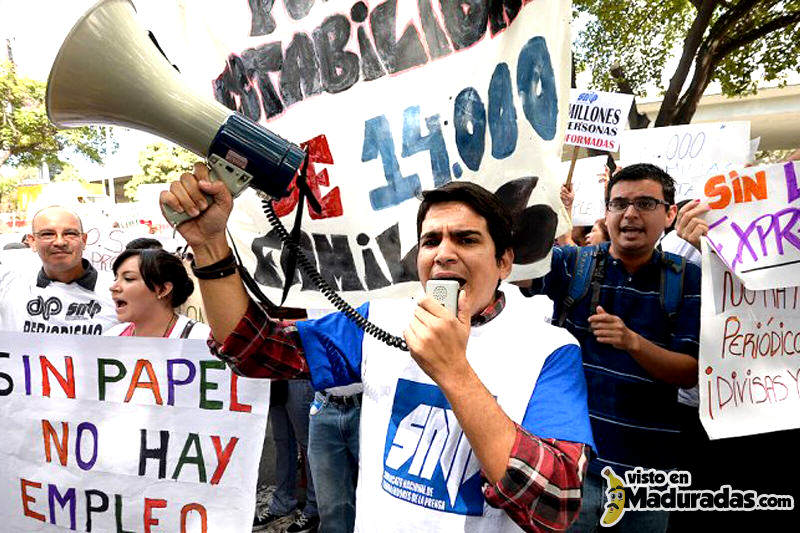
(427, 459)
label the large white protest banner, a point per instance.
(125, 434)
(689, 152)
(589, 186)
(749, 346)
(390, 98)
(754, 224)
(597, 118)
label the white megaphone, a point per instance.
(108, 71)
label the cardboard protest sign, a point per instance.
(390, 98)
(597, 118)
(749, 345)
(688, 152)
(588, 184)
(125, 434)
(754, 224)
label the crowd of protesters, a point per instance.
(608, 380)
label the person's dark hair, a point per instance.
(144, 243)
(483, 202)
(157, 267)
(644, 171)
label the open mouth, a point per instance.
(461, 281)
(630, 230)
(120, 304)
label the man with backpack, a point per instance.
(636, 312)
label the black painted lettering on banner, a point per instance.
(336, 262)
(401, 269)
(373, 274)
(267, 273)
(371, 67)
(6, 389)
(234, 80)
(301, 77)
(465, 20)
(502, 13)
(332, 67)
(262, 22)
(259, 62)
(397, 55)
(339, 67)
(158, 453)
(438, 45)
(298, 9)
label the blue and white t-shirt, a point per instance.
(417, 469)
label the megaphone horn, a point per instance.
(108, 71)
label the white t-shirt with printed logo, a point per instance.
(30, 303)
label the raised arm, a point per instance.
(225, 298)
(689, 225)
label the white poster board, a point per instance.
(749, 346)
(588, 185)
(391, 98)
(597, 118)
(690, 151)
(754, 224)
(142, 434)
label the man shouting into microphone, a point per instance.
(474, 429)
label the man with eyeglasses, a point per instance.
(636, 352)
(67, 296)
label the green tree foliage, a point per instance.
(160, 163)
(27, 137)
(738, 43)
(68, 173)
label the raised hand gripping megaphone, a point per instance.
(108, 71)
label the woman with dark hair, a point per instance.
(148, 285)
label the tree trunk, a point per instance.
(636, 120)
(691, 44)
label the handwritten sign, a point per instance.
(688, 152)
(390, 98)
(754, 224)
(596, 119)
(749, 345)
(125, 434)
(588, 184)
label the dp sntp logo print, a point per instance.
(47, 308)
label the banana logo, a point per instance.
(615, 507)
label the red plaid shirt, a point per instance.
(541, 489)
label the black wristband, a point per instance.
(222, 268)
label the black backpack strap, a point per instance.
(598, 274)
(188, 329)
(673, 270)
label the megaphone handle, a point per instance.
(174, 218)
(235, 179)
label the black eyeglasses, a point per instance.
(49, 235)
(642, 203)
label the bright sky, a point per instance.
(37, 29)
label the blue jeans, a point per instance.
(333, 445)
(593, 505)
(290, 428)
